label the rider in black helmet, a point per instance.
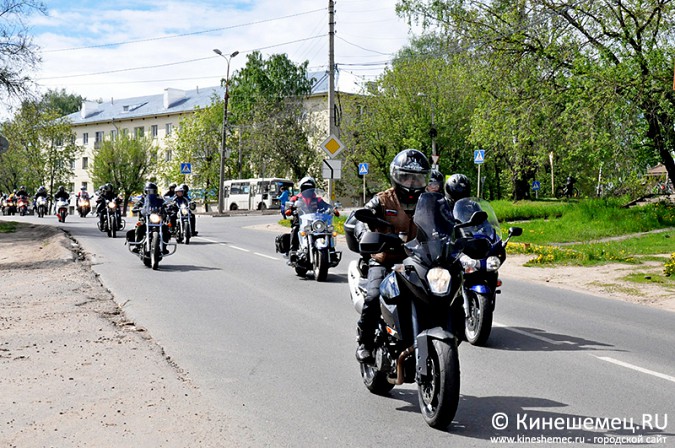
(457, 187)
(435, 182)
(409, 174)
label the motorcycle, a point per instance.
(41, 206)
(421, 320)
(83, 207)
(316, 251)
(22, 205)
(150, 248)
(183, 228)
(62, 209)
(9, 206)
(112, 222)
(481, 276)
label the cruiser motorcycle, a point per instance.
(150, 246)
(183, 227)
(316, 251)
(481, 276)
(112, 222)
(41, 206)
(422, 321)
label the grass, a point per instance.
(338, 223)
(8, 227)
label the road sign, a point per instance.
(536, 186)
(332, 145)
(479, 156)
(331, 169)
(363, 169)
(186, 168)
(434, 159)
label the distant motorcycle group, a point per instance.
(440, 291)
(19, 203)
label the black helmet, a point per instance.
(436, 181)
(61, 188)
(150, 188)
(409, 172)
(172, 186)
(185, 188)
(107, 187)
(457, 187)
(306, 183)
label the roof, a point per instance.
(176, 101)
(657, 170)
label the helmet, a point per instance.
(83, 188)
(61, 188)
(185, 188)
(41, 189)
(172, 186)
(180, 190)
(409, 172)
(22, 188)
(435, 181)
(150, 188)
(107, 188)
(306, 183)
(457, 187)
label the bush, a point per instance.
(669, 268)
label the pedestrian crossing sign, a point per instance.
(479, 156)
(186, 168)
(363, 169)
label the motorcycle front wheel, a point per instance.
(113, 228)
(439, 394)
(321, 265)
(155, 252)
(478, 324)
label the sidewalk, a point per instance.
(73, 371)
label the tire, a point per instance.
(147, 261)
(301, 272)
(375, 380)
(22, 212)
(262, 207)
(155, 252)
(113, 227)
(321, 265)
(233, 207)
(575, 193)
(559, 192)
(478, 326)
(439, 396)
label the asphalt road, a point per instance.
(275, 352)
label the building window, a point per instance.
(85, 186)
(85, 138)
(99, 136)
(154, 130)
(125, 131)
(113, 135)
(139, 132)
(72, 164)
(168, 156)
(169, 129)
(71, 187)
(85, 163)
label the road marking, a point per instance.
(236, 247)
(266, 256)
(527, 333)
(637, 368)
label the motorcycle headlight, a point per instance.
(319, 226)
(112, 205)
(155, 218)
(439, 281)
(330, 229)
(183, 210)
(307, 229)
(492, 263)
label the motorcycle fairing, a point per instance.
(422, 347)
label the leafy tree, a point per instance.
(589, 81)
(18, 54)
(125, 162)
(61, 101)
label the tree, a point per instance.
(125, 162)
(61, 101)
(595, 76)
(267, 110)
(17, 51)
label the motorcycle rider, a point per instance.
(181, 199)
(62, 194)
(40, 193)
(171, 192)
(149, 201)
(21, 192)
(409, 172)
(457, 187)
(82, 195)
(308, 195)
(435, 182)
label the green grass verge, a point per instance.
(338, 223)
(8, 227)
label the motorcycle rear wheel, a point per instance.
(439, 395)
(478, 326)
(321, 265)
(375, 380)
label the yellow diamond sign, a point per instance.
(332, 145)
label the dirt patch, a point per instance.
(73, 370)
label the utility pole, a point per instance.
(331, 82)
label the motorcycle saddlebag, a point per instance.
(283, 243)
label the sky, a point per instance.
(120, 49)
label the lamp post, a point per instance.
(223, 143)
(432, 132)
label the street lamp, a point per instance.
(432, 132)
(223, 143)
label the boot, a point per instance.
(364, 352)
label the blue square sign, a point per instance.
(186, 168)
(479, 156)
(363, 169)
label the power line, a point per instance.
(150, 39)
(365, 49)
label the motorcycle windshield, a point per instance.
(153, 204)
(435, 228)
(311, 207)
(489, 229)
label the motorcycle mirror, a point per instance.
(365, 215)
(477, 218)
(515, 231)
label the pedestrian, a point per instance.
(283, 198)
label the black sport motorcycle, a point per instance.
(481, 277)
(422, 320)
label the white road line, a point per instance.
(528, 334)
(266, 256)
(206, 239)
(238, 248)
(637, 368)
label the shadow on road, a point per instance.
(535, 339)
(186, 267)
